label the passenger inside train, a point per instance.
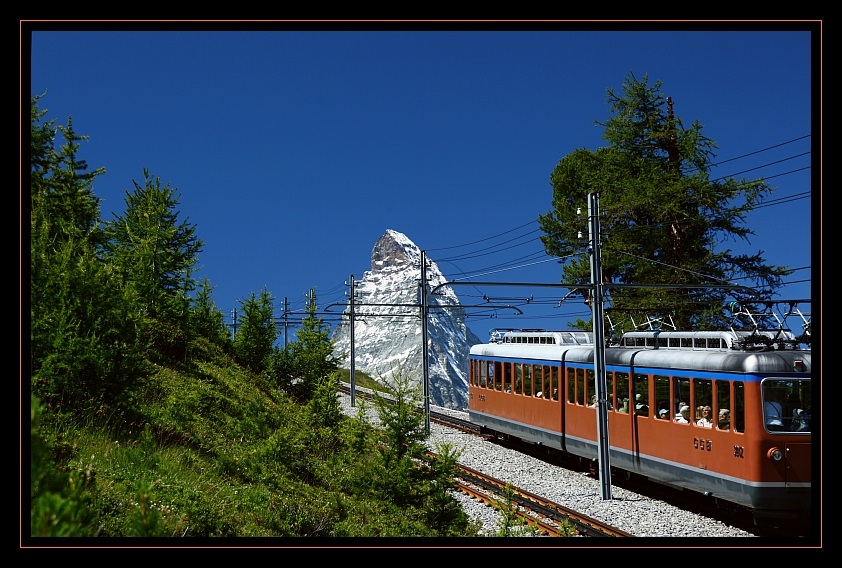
(724, 421)
(704, 417)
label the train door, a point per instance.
(620, 419)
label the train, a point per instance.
(726, 414)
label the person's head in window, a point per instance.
(704, 416)
(724, 420)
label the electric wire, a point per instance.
(540, 256)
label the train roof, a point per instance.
(773, 361)
(541, 337)
(711, 350)
(716, 340)
(658, 339)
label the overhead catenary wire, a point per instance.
(527, 234)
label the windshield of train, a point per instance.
(787, 405)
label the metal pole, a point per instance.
(286, 321)
(599, 347)
(353, 357)
(424, 348)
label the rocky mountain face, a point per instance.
(388, 328)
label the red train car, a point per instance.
(719, 413)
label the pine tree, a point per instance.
(155, 255)
(206, 319)
(661, 215)
(255, 337)
(299, 368)
(83, 341)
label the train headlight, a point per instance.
(775, 454)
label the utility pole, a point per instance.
(424, 347)
(286, 321)
(594, 249)
(353, 355)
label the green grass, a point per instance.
(363, 381)
(208, 449)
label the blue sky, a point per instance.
(292, 151)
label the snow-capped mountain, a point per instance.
(387, 323)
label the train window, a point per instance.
(787, 404)
(506, 385)
(622, 380)
(800, 405)
(518, 384)
(612, 397)
(527, 380)
(554, 382)
(681, 395)
(738, 414)
(703, 397)
(641, 394)
(546, 387)
(662, 397)
(590, 388)
(722, 410)
(774, 395)
(571, 385)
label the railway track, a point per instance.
(546, 517)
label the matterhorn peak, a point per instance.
(387, 323)
(394, 250)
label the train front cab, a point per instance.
(784, 439)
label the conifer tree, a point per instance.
(302, 365)
(83, 341)
(256, 336)
(206, 318)
(155, 254)
(662, 218)
(63, 201)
